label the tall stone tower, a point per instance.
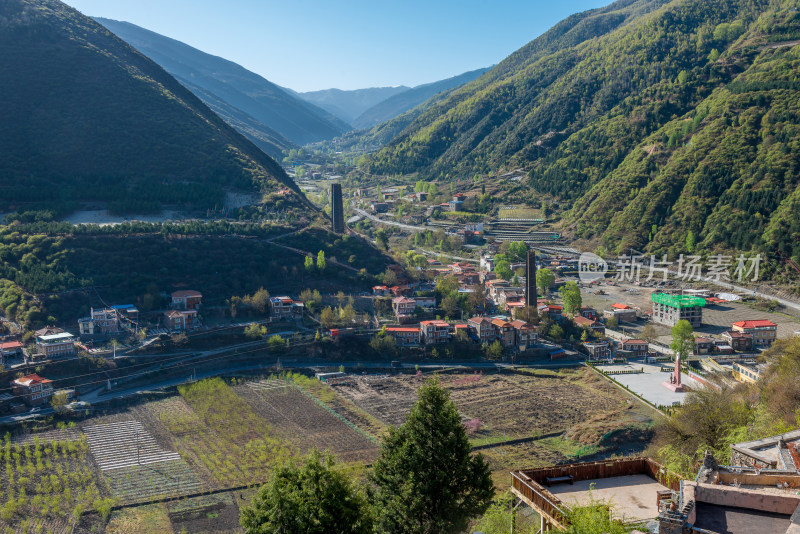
(530, 279)
(337, 211)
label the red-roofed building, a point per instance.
(186, 299)
(763, 331)
(618, 306)
(381, 291)
(10, 348)
(404, 335)
(504, 332)
(399, 291)
(738, 341)
(434, 331)
(484, 328)
(33, 389)
(285, 308)
(526, 335)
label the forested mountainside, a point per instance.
(402, 102)
(349, 104)
(655, 118)
(257, 107)
(87, 117)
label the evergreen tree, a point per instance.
(312, 498)
(427, 480)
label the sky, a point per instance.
(308, 45)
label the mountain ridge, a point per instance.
(283, 114)
(400, 103)
(628, 115)
(88, 118)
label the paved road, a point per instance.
(410, 227)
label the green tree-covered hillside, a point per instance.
(651, 119)
(87, 118)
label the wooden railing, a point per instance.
(542, 500)
(529, 482)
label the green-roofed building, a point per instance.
(668, 309)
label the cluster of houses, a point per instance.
(515, 335)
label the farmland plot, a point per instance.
(519, 404)
(219, 434)
(298, 419)
(134, 466)
(388, 399)
(49, 481)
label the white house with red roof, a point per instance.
(32, 389)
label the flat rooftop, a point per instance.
(732, 520)
(632, 496)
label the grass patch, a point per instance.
(140, 520)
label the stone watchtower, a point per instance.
(337, 211)
(530, 279)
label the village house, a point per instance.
(638, 347)
(738, 341)
(598, 350)
(747, 373)
(484, 329)
(381, 291)
(57, 345)
(460, 268)
(32, 389)
(703, 345)
(10, 349)
(403, 308)
(180, 320)
(469, 278)
(100, 322)
(525, 335)
(428, 301)
(434, 331)
(379, 207)
(589, 324)
(622, 315)
(186, 300)
(404, 335)
(763, 331)
(554, 312)
(504, 332)
(589, 313)
(285, 308)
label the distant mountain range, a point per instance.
(348, 105)
(665, 125)
(403, 101)
(85, 117)
(270, 116)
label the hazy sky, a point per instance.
(349, 44)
